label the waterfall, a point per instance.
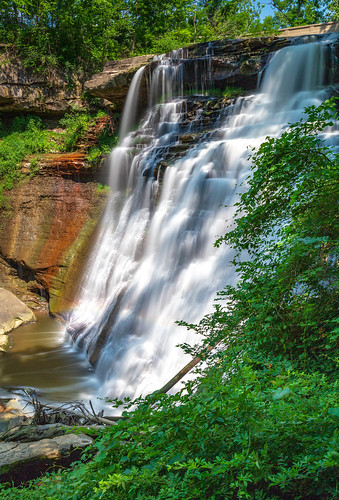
(154, 261)
(130, 108)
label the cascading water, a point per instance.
(154, 260)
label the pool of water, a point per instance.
(41, 357)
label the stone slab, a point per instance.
(20, 462)
(13, 313)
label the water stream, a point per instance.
(41, 357)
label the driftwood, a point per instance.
(71, 413)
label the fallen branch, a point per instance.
(74, 412)
(182, 372)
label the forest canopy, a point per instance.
(87, 33)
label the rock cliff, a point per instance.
(43, 233)
(46, 228)
(22, 90)
(214, 64)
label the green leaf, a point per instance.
(334, 411)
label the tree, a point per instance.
(299, 12)
(227, 18)
(334, 10)
(87, 33)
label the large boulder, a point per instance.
(20, 462)
(13, 313)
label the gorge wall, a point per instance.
(48, 220)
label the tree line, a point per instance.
(87, 33)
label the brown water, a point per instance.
(41, 357)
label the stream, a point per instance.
(41, 357)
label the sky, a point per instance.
(266, 11)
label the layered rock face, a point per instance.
(44, 235)
(24, 91)
(214, 64)
(113, 83)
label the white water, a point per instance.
(130, 108)
(153, 265)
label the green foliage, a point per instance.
(334, 10)
(287, 298)
(76, 124)
(78, 34)
(260, 418)
(299, 12)
(103, 188)
(227, 92)
(242, 429)
(24, 138)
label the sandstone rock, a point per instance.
(47, 224)
(25, 291)
(20, 462)
(113, 83)
(45, 235)
(12, 416)
(3, 342)
(13, 312)
(24, 91)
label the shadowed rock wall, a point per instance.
(44, 234)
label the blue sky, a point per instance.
(267, 10)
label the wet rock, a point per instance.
(159, 170)
(13, 313)
(214, 64)
(187, 138)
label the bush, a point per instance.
(76, 124)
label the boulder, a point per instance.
(13, 313)
(12, 416)
(30, 432)
(20, 462)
